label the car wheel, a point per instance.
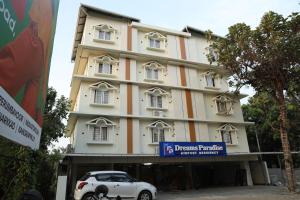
(145, 195)
(89, 196)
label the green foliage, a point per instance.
(265, 56)
(263, 110)
(21, 168)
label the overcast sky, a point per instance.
(216, 15)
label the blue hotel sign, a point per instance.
(192, 149)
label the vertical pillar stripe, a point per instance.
(129, 38)
(192, 131)
(129, 99)
(182, 48)
(188, 95)
(129, 136)
(129, 94)
(127, 69)
(182, 75)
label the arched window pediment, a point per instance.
(104, 85)
(155, 35)
(106, 59)
(105, 27)
(224, 105)
(157, 91)
(160, 124)
(101, 120)
(223, 98)
(153, 65)
(227, 127)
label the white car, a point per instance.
(119, 184)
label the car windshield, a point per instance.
(132, 179)
(86, 176)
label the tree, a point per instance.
(22, 168)
(267, 58)
(263, 110)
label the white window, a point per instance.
(228, 134)
(158, 134)
(153, 71)
(104, 65)
(224, 105)
(155, 101)
(105, 68)
(158, 131)
(213, 55)
(210, 80)
(104, 33)
(100, 133)
(101, 96)
(157, 98)
(156, 41)
(101, 130)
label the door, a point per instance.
(106, 179)
(124, 186)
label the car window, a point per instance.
(120, 178)
(103, 177)
(86, 176)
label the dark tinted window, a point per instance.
(120, 178)
(103, 177)
(86, 176)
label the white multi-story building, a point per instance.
(135, 85)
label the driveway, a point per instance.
(232, 193)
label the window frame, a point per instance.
(162, 130)
(106, 68)
(156, 37)
(232, 134)
(154, 101)
(105, 61)
(102, 87)
(213, 55)
(102, 134)
(211, 80)
(227, 104)
(106, 29)
(155, 70)
(104, 99)
(157, 93)
(101, 122)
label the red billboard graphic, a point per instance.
(26, 41)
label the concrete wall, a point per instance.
(278, 177)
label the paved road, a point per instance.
(231, 193)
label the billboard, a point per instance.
(27, 32)
(192, 149)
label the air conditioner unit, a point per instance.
(158, 113)
(156, 150)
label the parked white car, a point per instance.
(119, 184)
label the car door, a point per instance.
(106, 179)
(124, 186)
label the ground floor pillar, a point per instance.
(246, 167)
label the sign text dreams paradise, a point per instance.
(198, 148)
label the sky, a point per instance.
(216, 15)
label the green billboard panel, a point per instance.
(27, 29)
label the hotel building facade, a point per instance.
(135, 85)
